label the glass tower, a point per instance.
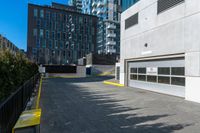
(128, 3)
(108, 29)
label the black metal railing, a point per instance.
(13, 106)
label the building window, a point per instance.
(163, 80)
(56, 44)
(151, 78)
(164, 5)
(34, 32)
(178, 71)
(164, 70)
(47, 34)
(50, 44)
(41, 33)
(133, 76)
(142, 77)
(131, 21)
(142, 70)
(35, 12)
(133, 70)
(44, 44)
(178, 81)
(42, 13)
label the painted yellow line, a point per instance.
(39, 94)
(112, 83)
(105, 74)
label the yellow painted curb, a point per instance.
(112, 83)
(39, 94)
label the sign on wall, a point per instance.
(152, 71)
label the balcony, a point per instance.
(111, 35)
(110, 26)
(94, 4)
(111, 51)
(100, 12)
(100, 4)
(94, 11)
(111, 43)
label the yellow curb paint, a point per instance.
(105, 74)
(112, 83)
(39, 94)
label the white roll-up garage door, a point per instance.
(163, 76)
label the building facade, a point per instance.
(76, 3)
(160, 48)
(128, 3)
(108, 11)
(6, 44)
(59, 35)
(87, 6)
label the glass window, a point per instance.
(164, 70)
(178, 71)
(133, 70)
(42, 13)
(152, 78)
(41, 32)
(61, 44)
(48, 15)
(142, 77)
(50, 44)
(56, 44)
(133, 77)
(58, 35)
(44, 44)
(178, 81)
(142, 70)
(35, 12)
(47, 34)
(34, 32)
(164, 80)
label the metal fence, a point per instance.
(13, 106)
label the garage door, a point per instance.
(163, 76)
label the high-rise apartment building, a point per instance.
(76, 3)
(108, 11)
(58, 34)
(6, 44)
(87, 6)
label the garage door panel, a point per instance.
(163, 76)
(160, 88)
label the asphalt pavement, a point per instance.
(86, 105)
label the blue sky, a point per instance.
(13, 19)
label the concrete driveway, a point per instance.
(86, 105)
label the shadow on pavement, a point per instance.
(74, 109)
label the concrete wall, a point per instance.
(80, 72)
(103, 69)
(173, 31)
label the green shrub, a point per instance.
(15, 69)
